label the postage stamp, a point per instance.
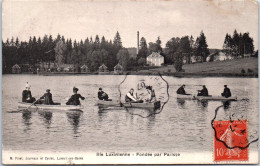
(231, 140)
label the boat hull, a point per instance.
(216, 98)
(22, 105)
(187, 97)
(116, 103)
(154, 105)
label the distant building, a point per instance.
(45, 66)
(16, 69)
(65, 68)
(118, 69)
(102, 68)
(155, 59)
(27, 68)
(218, 56)
(84, 69)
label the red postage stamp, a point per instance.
(230, 140)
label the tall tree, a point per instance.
(202, 51)
(143, 52)
(123, 57)
(60, 49)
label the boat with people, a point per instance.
(57, 106)
(204, 95)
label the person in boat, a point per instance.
(129, 97)
(27, 95)
(74, 99)
(182, 91)
(47, 98)
(102, 95)
(152, 94)
(226, 93)
(203, 92)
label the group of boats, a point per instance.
(116, 103)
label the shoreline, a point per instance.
(180, 74)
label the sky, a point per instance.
(152, 18)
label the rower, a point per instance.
(47, 98)
(181, 90)
(27, 95)
(102, 95)
(74, 99)
(152, 94)
(227, 92)
(203, 92)
(129, 97)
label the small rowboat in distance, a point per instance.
(22, 105)
(116, 103)
(216, 98)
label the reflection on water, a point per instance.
(181, 103)
(183, 125)
(47, 117)
(27, 115)
(74, 120)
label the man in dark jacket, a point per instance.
(102, 95)
(47, 98)
(181, 90)
(27, 95)
(203, 92)
(74, 99)
(227, 92)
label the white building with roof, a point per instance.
(155, 59)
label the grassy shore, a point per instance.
(220, 68)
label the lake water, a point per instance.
(181, 126)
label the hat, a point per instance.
(131, 89)
(149, 87)
(100, 89)
(27, 85)
(75, 89)
(225, 85)
(48, 90)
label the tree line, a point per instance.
(238, 44)
(92, 52)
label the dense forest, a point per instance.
(94, 52)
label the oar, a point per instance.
(23, 109)
(32, 104)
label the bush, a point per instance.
(243, 71)
(141, 61)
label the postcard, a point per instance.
(130, 82)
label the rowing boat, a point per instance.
(215, 98)
(116, 103)
(22, 105)
(153, 105)
(186, 97)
